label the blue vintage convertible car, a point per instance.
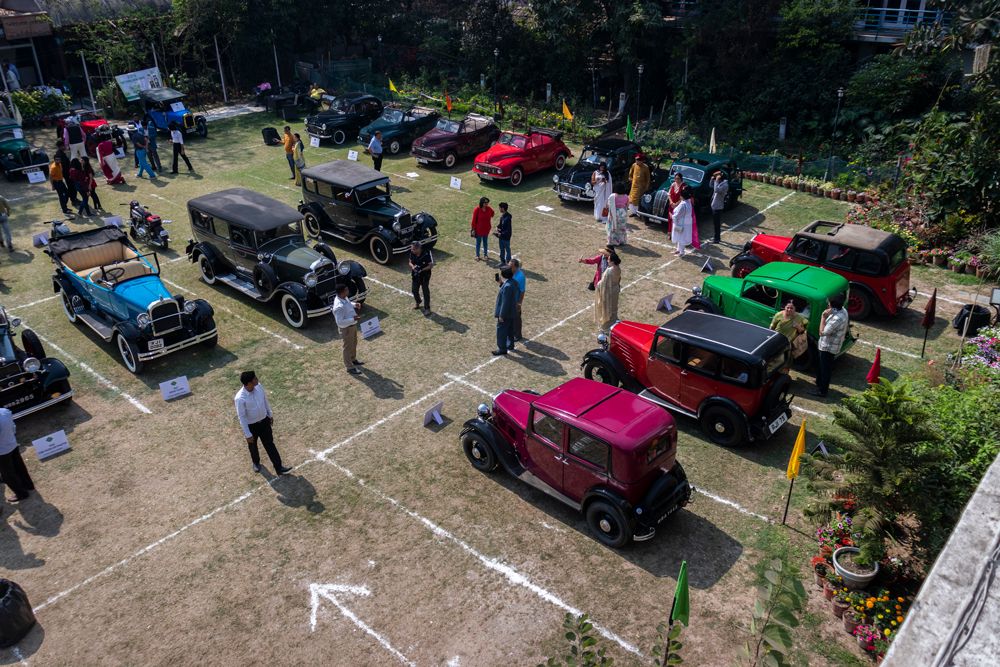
(165, 106)
(106, 284)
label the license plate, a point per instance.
(31, 170)
(777, 423)
(156, 344)
(421, 160)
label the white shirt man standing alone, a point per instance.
(346, 314)
(254, 412)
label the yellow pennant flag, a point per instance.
(797, 451)
(392, 87)
(567, 114)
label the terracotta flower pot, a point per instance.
(852, 195)
(982, 271)
(939, 260)
(839, 607)
(863, 643)
(851, 622)
(820, 579)
(957, 267)
(862, 198)
(814, 189)
(836, 193)
(828, 591)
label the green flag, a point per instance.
(629, 132)
(682, 608)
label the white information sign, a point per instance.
(456, 182)
(665, 304)
(434, 414)
(412, 174)
(543, 209)
(132, 82)
(18, 133)
(36, 176)
(314, 142)
(50, 445)
(175, 388)
(352, 155)
(40, 240)
(370, 327)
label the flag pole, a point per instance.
(924, 347)
(788, 501)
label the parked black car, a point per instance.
(351, 202)
(347, 114)
(618, 154)
(399, 127)
(450, 140)
(29, 381)
(697, 170)
(254, 244)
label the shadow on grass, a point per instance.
(448, 323)
(27, 647)
(380, 386)
(296, 491)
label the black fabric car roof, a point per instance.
(611, 144)
(345, 173)
(246, 207)
(86, 239)
(861, 237)
(160, 94)
(735, 338)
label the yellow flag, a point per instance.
(392, 87)
(567, 114)
(797, 451)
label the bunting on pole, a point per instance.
(629, 132)
(876, 369)
(681, 609)
(567, 114)
(797, 451)
(392, 87)
(447, 101)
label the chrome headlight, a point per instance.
(696, 291)
(189, 307)
(555, 179)
(344, 268)
(396, 226)
(15, 322)
(483, 410)
(589, 189)
(433, 153)
(323, 127)
(310, 279)
(602, 340)
(143, 320)
(32, 365)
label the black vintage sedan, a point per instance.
(617, 154)
(254, 244)
(29, 380)
(347, 114)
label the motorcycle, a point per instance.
(147, 227)
(59, 228)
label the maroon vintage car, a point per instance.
(515, 154)
(598, 449)
(90, 122)
(725, 373)
(451, 140)
(872, 260)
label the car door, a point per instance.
(757, 304)
(663, 367)
(534, 153)
(698, 376)
(465, 138)
(804, 250)
(243, 248)
(587, 463)
(544, 442)
(336, 203)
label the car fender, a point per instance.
(56, 371)
(607, 495)
(314, 208)
(502, 449)
(387, 235)
(748, 256)
(604, 356)
(703, 301)
(129, 330)
(357, 270)
(202, 248)
(727, 402)
(298, 290)
(425, 220)
(203, 309)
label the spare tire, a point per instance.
(16, 616)
(661, 201)
(32, 345)
(265, 278)
(777, 390)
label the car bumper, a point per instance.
(649, 518)
(425, 242)
(44, 404)
(572, 193)
(316, 132)
(327, 309)
(903, 302)
(645, 215)
(30, 167)
(180, 345)
(427, 159)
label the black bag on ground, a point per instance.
(980, 317)
(271, 136)
(16, 616)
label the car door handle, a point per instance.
(562, 459)
(684, 373)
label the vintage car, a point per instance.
(872, 260)
(697, 170)
(399, 127)
(760, 294)
(165, 106)
(725, 373)
(29, 381)
(516, 154)
(348, 201)
(16, 156)
(347, 114)
(254, 244)
(450, 140)
(603, 451)
(108, 285)
(618, 154)
(95, 129)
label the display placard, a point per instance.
(665, 305)
(50, 445)
(412, 174)
(370, 327)
(456, 182)
(175, 388)
(40, 240)
(314, 142)
(352, 155)
(18, 133)
(434, 414)
(132, 82)
(35, 176)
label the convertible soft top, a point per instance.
(861, 237)
(246, 207)
(160, 95)
(345, 173)
(86, 239)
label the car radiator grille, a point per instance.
(25, 155)
(326, 287)
(423, 152)
(188, 120)
(166, 317)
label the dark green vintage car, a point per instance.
(697, 170)
(756, 297)
(399, 127)
(16, 156)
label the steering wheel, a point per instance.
(114, 273)
(769, 292)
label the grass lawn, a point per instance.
(153, 542)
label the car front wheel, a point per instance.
(129, 354)
(395, 147)
(608, 524)
(294, 311)
(312, 225)
(480, 454)
(600, 371)
(516, 177)
(560, 162)
(450, 160)
(339, 137)
(722, 425)
(207, 269)
(380, 250)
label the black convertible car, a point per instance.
(29, 381)
(347, 114)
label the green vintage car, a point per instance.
(697, 170)
(756, 297)
(16, 156)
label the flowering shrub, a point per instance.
(867, 634)
(907, 219)
(983, 351)
(837, 534)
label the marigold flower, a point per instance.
(899, 599)
(888, 632)
(869, 604)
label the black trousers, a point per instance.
(717, 223)
(262, 431)
(14, 474)
(824, 371)
(177, 151)
(421, 281)
(154, 157)
(377, 159)
(60, 188)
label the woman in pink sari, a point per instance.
(109, 163)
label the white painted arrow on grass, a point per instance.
(330, 592)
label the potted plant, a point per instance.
(938, 256)
(832, 585)
(856, 571)
(958, 261)
(880, 647)
(921, 256)
(867, 635)
(862, 197)
(820, 567)
(852, 619)
(841, 602)
(835, 193)
(852, 195)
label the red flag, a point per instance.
(930, 311)
(876, 369)
(447, 101)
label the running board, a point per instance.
(241, 285)
(100, 328)
(530, 479)
(653, 398)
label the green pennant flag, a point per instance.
(629, 132)
(682, 607)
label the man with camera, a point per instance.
(505, 309)
(421, 263)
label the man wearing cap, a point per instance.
(346, 314)
(421, 263)
(638, 176)
(254, 413)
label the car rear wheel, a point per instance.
(859, 305)
(608, 524)
(560, 162)
(202, 128)
(743, 267)
(594, 369)
(129, 354)
(339, 137)
(207, 267)
(480, 454)
(516, 177)
(722, 425)
(32, 345)
(450, 160)
(380, 250)
(67, 306)
(395, 147)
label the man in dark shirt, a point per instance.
(421, 263)
(504, 310)
(504, 233)
(64, 161)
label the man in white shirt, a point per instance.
(346, 314)
(375, 150)
(833, 327)
(13, 472)
(254, 413)
(177, 139)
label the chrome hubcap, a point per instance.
(477, 453)
(720, 427)
(605, 525)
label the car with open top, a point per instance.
(451, 140)
(29, 380)
(517, 154)
(164, 106)
(400, 125)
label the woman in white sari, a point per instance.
(682, 217)
(606, 294)
(600, 181)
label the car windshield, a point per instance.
(688, 172)
(8, 133)
(291, 229)
(591, 158)
(367, 193)
(392, 116)
(449, 126)
(515, 140)
(340, 104)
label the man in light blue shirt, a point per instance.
(254, 413)
(522, 281)
(375, 150)
(13, 472)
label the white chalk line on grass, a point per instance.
(277, 185)
(888, 349)
(810, 412)
(725, 501)
(161, 198)
(388, 286)
(316, 591)
(34, 303)
(468, 384)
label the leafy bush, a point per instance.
(774, 617)
(35, 103)
(585, 649)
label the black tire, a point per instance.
(294, 311)
(201, 128)
(326, 251)
(744, 267)
(380, 250)
(356, 286)
(594, 369)
(777, 392)
(264, 278)
(207, 267)
(516, 177)
(131, 232)
(313, 229)
(723, 425)
(661, 202)
(479, 453)
(32, 345)
(859, 304)
(209, 324)
(339, 137)
(560, 162)
(67, 305)
(395, 147)
(608, 524)
(450, 160)
(129, 354)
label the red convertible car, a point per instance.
(90, 121)
(515, 155)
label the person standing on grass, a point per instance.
(59, 185)
(140, 156)
(254, 412)
(600, 181)
(482, 217)
(503, 233)
(288, 141)
(346, 315)
(88, 169)
(720, 188)
(516, 335)
(74, 137)
(833, 326)
(504, 311)
(177, 139)
(82, 183)
(617, 224)
(680, 233)
(13, 472)
(638, 176)
(421, 263)
(63, 159)
(601, 261)
(300, 159)
(375, 150)
(5, 223)
(606, 296)
(154, 154)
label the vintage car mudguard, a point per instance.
(700, 300)
(56, 371)
(748, 257)
(610, 360)
(297, 290)
(501, 448)
(600, 493)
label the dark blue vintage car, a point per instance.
(165, 106)
(108, 285)
(399, 127)
(29, 380)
